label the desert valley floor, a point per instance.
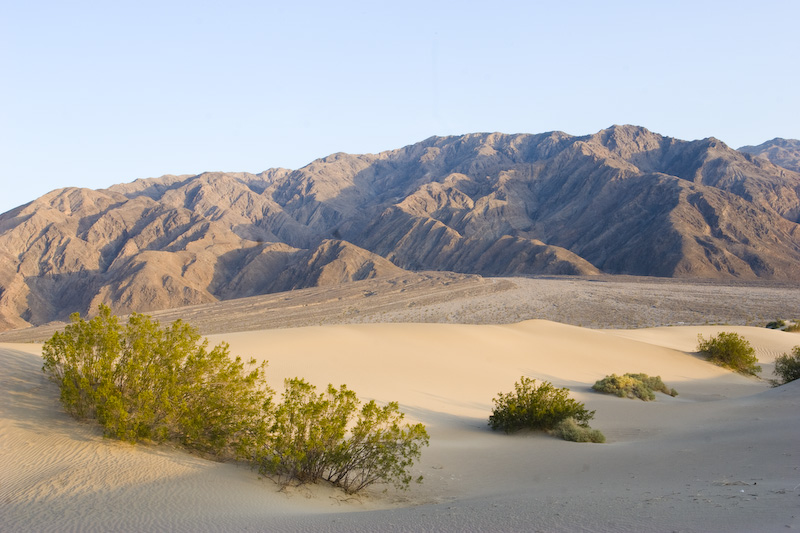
(721, 456)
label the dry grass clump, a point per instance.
(632, 386)
(570, 430)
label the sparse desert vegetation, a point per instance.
(50, 460)
(542, 407)
(730, 350)
(570, 430)
(787, 367)
(144, 382)
(639, 386)
(327, 437)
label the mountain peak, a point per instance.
(781, 152)
(634, 144)
(626, 138)
(779, 142)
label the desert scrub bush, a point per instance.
(536, 407)
(794, 326)
(327, 437)
(787, 367)
(142, 381)
(570, 430)
(776, 324)
(730, 350)
(639, 386)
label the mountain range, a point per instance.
(622, 201)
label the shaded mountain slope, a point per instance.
(78, 248)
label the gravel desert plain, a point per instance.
(721, 456)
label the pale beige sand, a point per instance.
(722, 456)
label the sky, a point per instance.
(99, 93)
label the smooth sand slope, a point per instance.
(722, 456)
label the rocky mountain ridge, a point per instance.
(622, 201)
(782, 152)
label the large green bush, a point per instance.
(142, 381)
(535, 407)
(326, 436)
(787, 367)
(730, 350)
(639, 386)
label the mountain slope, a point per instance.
(781, 152)
(625, 200)
(76, 248)
(622, 201)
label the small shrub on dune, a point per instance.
(639, 386)
(655, 384)
(776, 324)
(624, 387)
(533, 407)
(787, 367)
(327, 437)
(570, 430)
(730, 350)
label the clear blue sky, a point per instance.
(97, 93)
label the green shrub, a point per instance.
(310, 440)
(639, 386)
(787, 367)
(142, 381)
(776, 324)
(532, 407)
(794, 327)
(570, 430)
(731, 351)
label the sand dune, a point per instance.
(722, 456)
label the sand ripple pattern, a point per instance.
(60, 475)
